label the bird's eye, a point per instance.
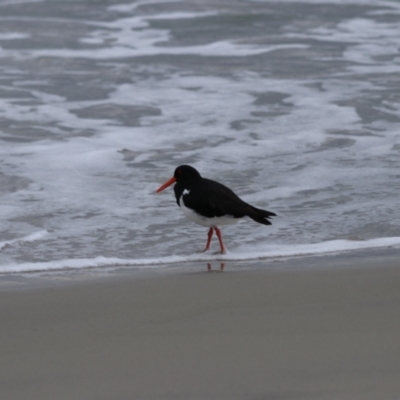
(179, 172)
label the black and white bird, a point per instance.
(211, 204)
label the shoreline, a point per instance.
(325, 328)
(54, 278)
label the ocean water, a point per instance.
(293, 104)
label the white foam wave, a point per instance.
(14, 2)
(134, 37)
(30, 238)
(273, 252)
(13, 36)
(215, 49)
(389, 3)
(133, 6)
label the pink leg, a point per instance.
(221, 242)
(209, 236)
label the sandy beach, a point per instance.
(260, 333)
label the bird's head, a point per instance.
(183, 173)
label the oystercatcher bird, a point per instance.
(210, 203)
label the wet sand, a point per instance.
(277, 333)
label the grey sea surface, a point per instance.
(293, 104)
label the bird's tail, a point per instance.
(260, 216)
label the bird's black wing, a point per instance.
(212, 199)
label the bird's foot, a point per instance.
(214, 253)
(224, 251)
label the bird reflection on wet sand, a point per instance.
(210, 268)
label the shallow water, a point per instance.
(293, 104)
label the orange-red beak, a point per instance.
(166, 184)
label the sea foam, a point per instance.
(244, 254)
